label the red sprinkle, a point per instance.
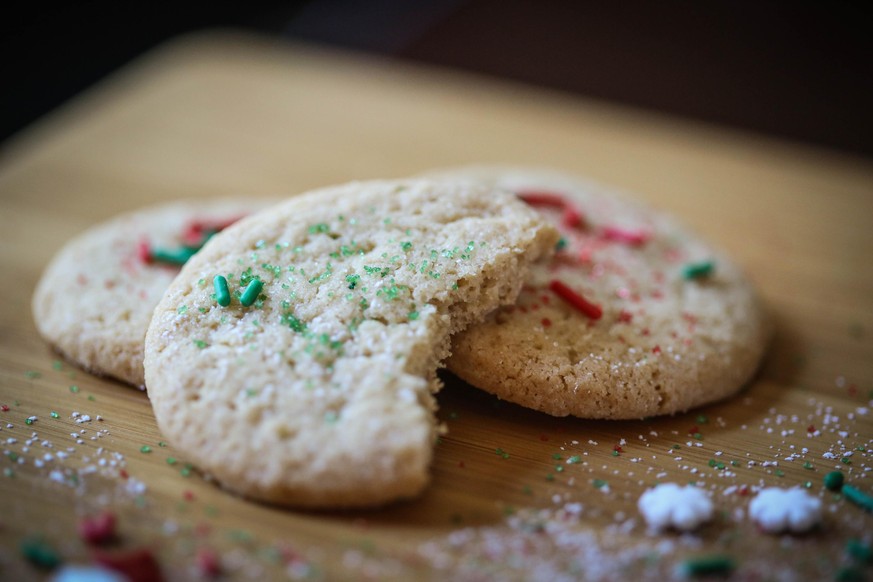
(122, 473)
(546, 322)
(632, 238)
(137, 565)
(542, 198)
(577, 301)
(618, 449)
(625, 316)
(188, 495)
(4, 407)
(810, 428)
(694, 430)
(656, 350)
(208, 562)
(97, 530)
(572, 218)
(144, 251)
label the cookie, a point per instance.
(294, 358)
(635, 315)
(94, 300)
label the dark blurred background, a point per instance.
(798, 70)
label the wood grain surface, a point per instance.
(515, 494)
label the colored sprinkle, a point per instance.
(413, 315)
(55, 414)
(178, 256)
(600, 483)
(698, 270)
(859, 551)
(200, 344)
(32, 374)
(222, 292)
(251, 292)
(707, 565)
(502, 453)
(57, 365)
(40, 554)
(833, 481)
(572, 218)
(145, 449)
(858, 497)
(574, 299)
(7, 472)
(74, 389)
(97, 530)
(542, 198)
(807, 465)
(631, 238)
(29, 420)
(4, 407)
(171, 460)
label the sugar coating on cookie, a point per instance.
(319, 391)
(94, 300)
(635, 316)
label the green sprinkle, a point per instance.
(550, 477)
(178, 256)
(200, 344)
(858, 497)
(833, 481)
(251, 292)
(13, 456)
(559, 468)
(145, 449)
(320, 227)
(562, 244)
(846, 461)
(183, 309)
(850, 574)
(91, 397)
(171, 460)
(780, 473)
(600, 483)
(222, 292)
(186, 470)
(702, 419)
(8, 472)
(40, 554)
(859, 551)
(735, 463)
(32, 374)
(331, 416)
(28, 421)
(614, 453)
(413, 315)
(557, 456)
(57, 365)
(574, 459)
(55, 414)
(807, 484)
(698, 436)
(698, 270)
(201, 282)
(502, 453)
(406, 246)
(74, 389)
(807, 465)
(707, 565)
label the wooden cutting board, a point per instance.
(515, 494)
